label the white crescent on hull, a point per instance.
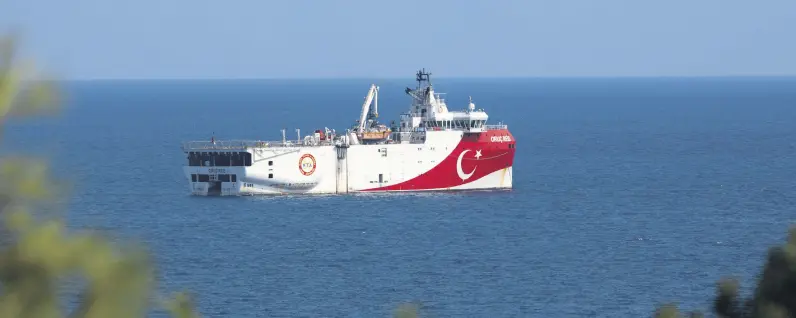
(459, 171)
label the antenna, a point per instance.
(423, 76)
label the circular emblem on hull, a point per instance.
(307, 164)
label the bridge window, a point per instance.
(222, 159)
(219, 159)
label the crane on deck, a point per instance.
(367, 118)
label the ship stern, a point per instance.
(211, 181)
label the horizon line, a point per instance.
(750, 76)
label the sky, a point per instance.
(94, 39)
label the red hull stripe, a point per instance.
(476, 155)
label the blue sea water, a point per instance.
(628, 193)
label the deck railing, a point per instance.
(245, 144)
(255, 144)
(496, 127)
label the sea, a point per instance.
(629, 193)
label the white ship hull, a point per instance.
(432, 166)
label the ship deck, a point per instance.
(205, 145)
(246, 144)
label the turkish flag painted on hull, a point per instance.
(477, 155)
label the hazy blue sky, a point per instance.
(323, 38)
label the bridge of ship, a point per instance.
(464, 126)
(455, 126)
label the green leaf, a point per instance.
(406, 311)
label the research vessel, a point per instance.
(431, 148)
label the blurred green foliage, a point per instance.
(773, 297)
(37, 255)
(406, 311)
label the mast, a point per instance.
(422, 76)
(421, 96)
